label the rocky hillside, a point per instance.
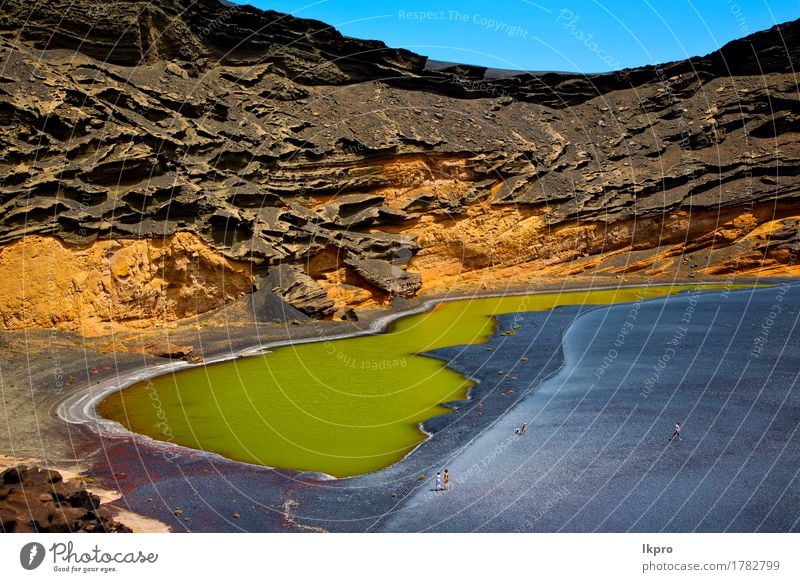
(160, 160)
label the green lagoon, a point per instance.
(342, 407)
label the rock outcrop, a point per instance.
(386, 277)
(107, 285)
(335, 173)
(33, 499)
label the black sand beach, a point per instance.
(596, 455)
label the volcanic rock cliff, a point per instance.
(161, 160)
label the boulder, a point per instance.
(166, 349)
(386, 276)
(346, 314)
(265, 305)
(299, 290)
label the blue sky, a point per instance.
(543, 35)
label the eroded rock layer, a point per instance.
(336, 173)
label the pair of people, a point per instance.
(521, 430)
(446, 486)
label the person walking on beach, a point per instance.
(523, 428)
(446, 480)
(677, 431)
(438, 482)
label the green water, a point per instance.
(343, 407)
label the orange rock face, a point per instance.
(496, 246)
(114, 284)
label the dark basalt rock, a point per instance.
(298, 290)
(166, 349)
(354, 210)
(265, 305)
(33, 499)
(386, 277)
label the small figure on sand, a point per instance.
(521, 430)
(446, 480)
(438, 482)
(677, 431)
